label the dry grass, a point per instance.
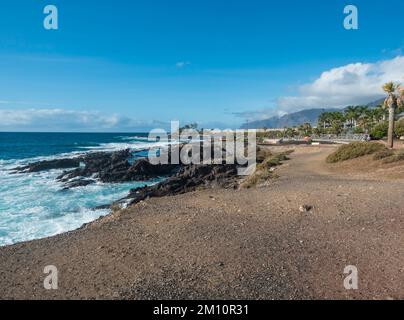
(395, 157)
(383, 154)
(262, 154)
(354, 150)
(273, 160)
(264, 171)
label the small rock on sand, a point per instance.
(305, 208)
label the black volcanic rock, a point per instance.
(115, 168)
(189, 178)
(107, 167)
(100, 164)
(49, 165)
(143, 170)
(78, 183)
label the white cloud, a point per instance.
(182, 64)
(351, 84)
(69, 120)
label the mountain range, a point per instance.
(297, 118)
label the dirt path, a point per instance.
(251, 244)
(307, 161)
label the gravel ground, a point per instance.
(233, 244)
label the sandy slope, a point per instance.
(232, 244)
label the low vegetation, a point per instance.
(395, 157)
(273, 160)
(383, 154)
(399, 128)
(379, 131)
(354, 150)
(262, 154)
(359, 149)
(266, 162)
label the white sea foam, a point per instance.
(136, 138)
(122, 146)
(33, 205)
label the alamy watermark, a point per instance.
(51, 280)
(351, 21)
(190, 146)
(51, 21)
(351, 280)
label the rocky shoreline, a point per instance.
(115, 167)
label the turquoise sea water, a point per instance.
(33, 205)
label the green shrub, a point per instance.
(358, 130)
(399, 128)
(354, 150)
(380, 130)
(383, 153)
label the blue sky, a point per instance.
(127, 65)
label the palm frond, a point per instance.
(389, 87)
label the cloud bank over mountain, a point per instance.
(355, 83)
(352, 84)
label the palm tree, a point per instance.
(323, 120)
(337, 122)
(380, 113)
(349, 114)
(395, 98)
(289, 132)
(352, 115)
(305, 129)
(367, 119)
(376, 116)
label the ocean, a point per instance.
(33, 205)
